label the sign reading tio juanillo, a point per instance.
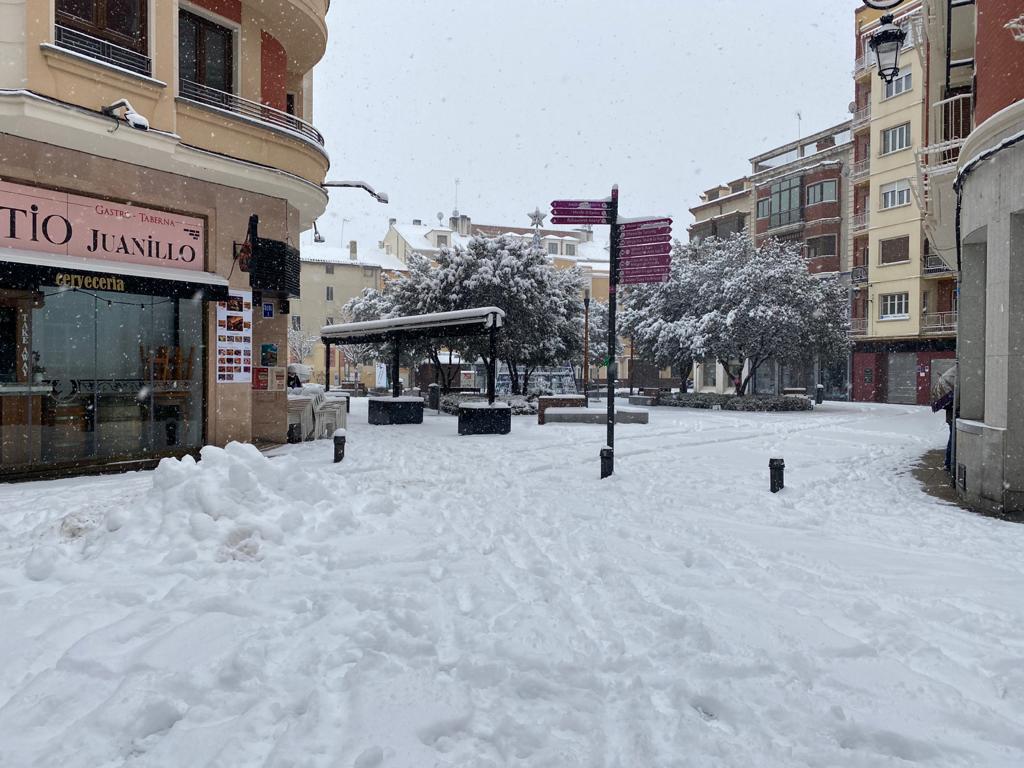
(35, 219)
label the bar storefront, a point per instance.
(103, 331)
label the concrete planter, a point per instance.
(482, 419)
(395, 410)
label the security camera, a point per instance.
(133, 118)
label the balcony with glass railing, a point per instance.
(935, 266)
(938, 322)
(260, 114)
(860, 221)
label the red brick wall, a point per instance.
(273, 72)
(229, 9)
(945, 296)
(869, 365)
(999, 59)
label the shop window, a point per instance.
(108, 377)
(205, 52)
(121, 22)
(894, 250)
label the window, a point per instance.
(822, 192)
(553, 249)
(296, 323)
(895, 250)
(785, 203)
(894, 306)
(330, 293)
(570, 249)
(901, 84)
(289, 103)
(708, 370)
(895, 139)
(764, 207)
(442, 241)
(329, 269)
(205, 52)
(821, 246)
(895, 194)
(121, 22)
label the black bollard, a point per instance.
(339, 445)
(777, 470)
(819, 394)
(607, 462)
(294, 433)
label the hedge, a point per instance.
(737, 402)
(520, 406)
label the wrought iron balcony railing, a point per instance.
(859, 222)
(862, 116)
(859, 169)
(935, 265)
(858, 326)
(938, 322)
(260, 113)
(87, 45)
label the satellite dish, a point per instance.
(882, 5)
(440, 217)
(852, 108)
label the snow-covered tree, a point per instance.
(599, 333)
(740, 305)
(300, 345)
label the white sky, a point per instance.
(532, 100)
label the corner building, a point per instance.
(145, 273)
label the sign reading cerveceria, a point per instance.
(87, 282)
(44, 220)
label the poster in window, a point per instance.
(234, 338)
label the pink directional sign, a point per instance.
(649, 232)
(630, 226)
(578, 220)
(654, 277)
(639, 262)
(645, 250)
(582, 205)
(646, 240)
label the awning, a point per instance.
(28, 270)
(462, 322)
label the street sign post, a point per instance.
(639, 252)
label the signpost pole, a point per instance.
(608, 455)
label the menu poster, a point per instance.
(234, 338)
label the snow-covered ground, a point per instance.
(488, 601)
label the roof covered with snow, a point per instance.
(330, 253)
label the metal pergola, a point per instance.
(396, 330)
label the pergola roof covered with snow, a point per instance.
(461, 322)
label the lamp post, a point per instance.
(586, 345)
(887, 41)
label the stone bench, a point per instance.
(596, 416)
(642, 400)
(546, 402)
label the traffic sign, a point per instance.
(632, 242)
(569, 219)
(582, 205)
(638, 262)
(630, 225)
(645, 250)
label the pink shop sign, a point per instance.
(35, 219)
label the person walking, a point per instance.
(943, 398)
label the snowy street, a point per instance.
(437, 600)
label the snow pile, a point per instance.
(438, 601)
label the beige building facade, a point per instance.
(156, 189)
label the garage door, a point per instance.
(902, 378)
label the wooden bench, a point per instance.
(544, 402)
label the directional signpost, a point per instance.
(639, 253)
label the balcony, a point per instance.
(861, 64)
(938, 322)
(860, 169)
(250, 110)
(934, 266)
(859, 222)
(858, 326)
(101, 50)
(859, 275)
(861, 116)
(953, 120)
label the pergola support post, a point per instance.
(492, 369)
(327, 368)
(396, 387)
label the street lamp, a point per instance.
(586, 345)
(886, 43)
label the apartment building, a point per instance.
(330, 277)
(151, 152)
(904, 311)
(722, 211)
